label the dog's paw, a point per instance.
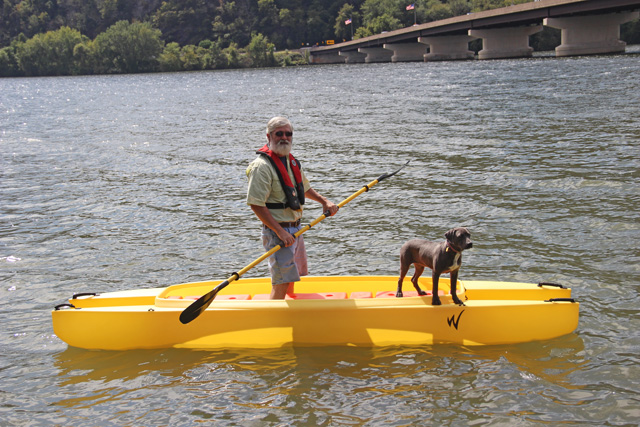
(436, 301)
(421, 292)
(399, 294)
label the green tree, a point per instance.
(318, 22)
(381, 15)
(372, 9)
(295, 32)
(169, 59)
(384, 23)
(277, 24)
(190, 57)
(129, 48)
(213, 57)
(186, 21)
(49, 54)
(459, 7)
(342, 30)
(108, 9)
(480, 5)
(26, 16)
(84, 57)
(260, 51)
(362, 32)
(233, 56)
(235, 23)
(269, 15)
(9, 62)
(436, 10)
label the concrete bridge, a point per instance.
(588, 27)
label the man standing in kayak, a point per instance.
(277, 191)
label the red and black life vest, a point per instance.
(294, 193)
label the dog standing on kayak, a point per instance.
(443, 257)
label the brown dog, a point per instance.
(443, 257)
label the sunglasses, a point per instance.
(280, 133)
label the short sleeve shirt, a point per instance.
(265, 187)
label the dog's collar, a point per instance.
(450, 246)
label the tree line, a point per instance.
(131, 48)
(68, 37)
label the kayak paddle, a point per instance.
(200, 305)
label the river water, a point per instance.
(118, 182)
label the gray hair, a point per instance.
(278, 122)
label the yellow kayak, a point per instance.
(343, 310)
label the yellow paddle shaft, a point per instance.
(304, 229)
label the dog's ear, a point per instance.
(449, 234)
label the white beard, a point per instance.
(281, 148)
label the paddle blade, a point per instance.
(388, 175)
(200, 305)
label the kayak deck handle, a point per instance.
(541, 284)
(64, 306)
(85, 294)
(560, 300)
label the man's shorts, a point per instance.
(288, 264)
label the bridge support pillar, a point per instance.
(328, 58)
(447, 48)
(591, 34)
(511, 42)
(376, 54)
(353, 57)
(405, 52)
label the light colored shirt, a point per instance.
(265, 187)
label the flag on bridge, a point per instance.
(347, 22)
(411, 6)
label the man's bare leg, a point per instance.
(281, 290)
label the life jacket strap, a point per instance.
(276, 205)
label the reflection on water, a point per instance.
(77, 365)
(283, 385)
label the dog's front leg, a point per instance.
(435, 299)
(454, 285)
